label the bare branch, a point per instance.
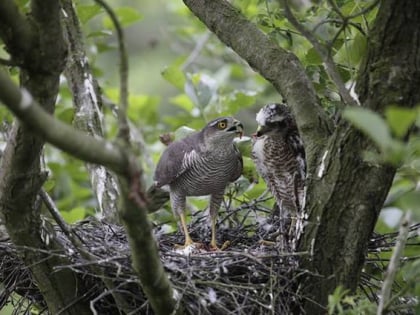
(15, 30)
(63, 136)
(124, 129)
(394, 263)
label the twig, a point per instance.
(329, 64)
(124, 129)
(197, 50)
(394, 263)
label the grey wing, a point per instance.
(240, 165)
(174, 161)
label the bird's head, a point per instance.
(222, 130)
(273, 119)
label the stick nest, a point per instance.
(246, 278)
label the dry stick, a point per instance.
(394, 263)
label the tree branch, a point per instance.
(15, 30)
(40, 53)
(124, 129)
(63, 136)
(394, 263)
(275, 64)
(88, 115)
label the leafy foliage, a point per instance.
(202, 79)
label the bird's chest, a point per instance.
(207, 175)
(269, 154)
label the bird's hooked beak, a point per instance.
(260, 131)
(237, 127)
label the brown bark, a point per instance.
(345, 203)
(37, 45)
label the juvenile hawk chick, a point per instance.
(279, 156)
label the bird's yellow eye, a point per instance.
(221, 125)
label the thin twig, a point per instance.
(124, 129)
(394, 263)
(197, 50)
(325, 55)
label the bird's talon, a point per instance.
(225, 245)
(216, 248)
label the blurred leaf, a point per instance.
(239, 100)
(87, 12)
(49, 185)
(200, 88)
(312, 57)
(410, 201)
(400, 119)
(64, 114)
(125, 15)
(352, 51)
(182, 132)
(244, 146)
(174, 75)
(144, 108)
(74, 215)
(183, 101)
(371, 123)
(249, 170)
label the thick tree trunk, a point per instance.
(38, 46)
(346, 194)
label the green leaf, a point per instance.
(143, 107)
(183, 101)
(200, 88)
(87, 12)
(410, 201)
(75, 214)
(312, 57)
(182, 132)
(64, 114)
(174, 75)
(352, 51)
(125, 15)
(370, 123)
(400, 119)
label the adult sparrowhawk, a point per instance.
(202, 163)
(279, 155)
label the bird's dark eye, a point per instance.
(221, 125)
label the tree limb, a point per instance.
(278, 66)
(63, 136)
(88, 115)
(15, 30)
(40, 52)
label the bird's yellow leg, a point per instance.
(213, 243)
(188, 240)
